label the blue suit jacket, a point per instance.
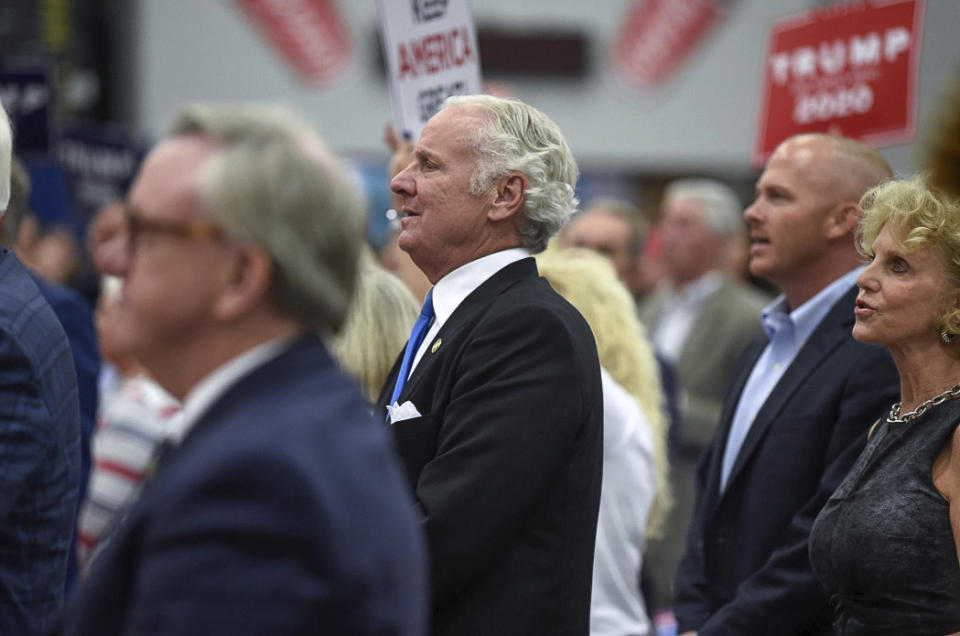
(75, 317)
(746, 569)
(282, 512)
(39, 454)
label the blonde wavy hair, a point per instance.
(588, 281)
(379, 320)
(922, 216)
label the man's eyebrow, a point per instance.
(424, 154)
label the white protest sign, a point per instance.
(430, 48)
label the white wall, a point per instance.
(704, 119)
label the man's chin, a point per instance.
(759, 268)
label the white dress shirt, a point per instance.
(452, 289)
(208, 390)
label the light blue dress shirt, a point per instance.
(788, 331)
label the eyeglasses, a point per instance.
(138, 226)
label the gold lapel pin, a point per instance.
(436, 345)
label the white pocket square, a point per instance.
(400, 412)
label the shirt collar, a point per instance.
(203, 394)
(452, 289)
(805, 318)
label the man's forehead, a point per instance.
(803, 160)
(454, 122)
(804, 153)
(171, 174)
(683, 205)
(598, 226)
(180, 155)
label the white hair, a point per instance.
(518, 137)
(722, 208)
(6, 159)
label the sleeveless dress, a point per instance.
(882, 546)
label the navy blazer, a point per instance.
(746, 569)
(283, 511)
(505, 461)
(39, 454)
(75, 317)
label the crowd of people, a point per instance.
(536, 426)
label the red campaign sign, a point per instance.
(659, 34)
(848, 69)
(308, 34)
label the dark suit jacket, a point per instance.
(283, 511)
(746, 569)
(506, 459)
(39, 454)
(75, 317)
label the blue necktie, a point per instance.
(416, 337)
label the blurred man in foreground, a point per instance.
(280, 508)
(75, 317)
(39, 442)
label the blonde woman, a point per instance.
(886, 546)
(635, 495)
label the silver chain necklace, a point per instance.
(895, 418)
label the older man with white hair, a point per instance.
(39, 442)
(280, 508)
(700, 321)
(496, 403)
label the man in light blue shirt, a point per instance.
(799, 405)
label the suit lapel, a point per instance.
(467, 313)
(827, 336)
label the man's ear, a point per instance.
(509, 197)
(248, 282)
(842, 220)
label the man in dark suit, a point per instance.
(700, 318)
(74, 314)
(39, 443)
(499, 424)
(799, 407)
(280, 508)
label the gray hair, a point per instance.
(273, 183)
(6, 157)
(518, 137)
(722, 208)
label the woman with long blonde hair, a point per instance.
(635, 495)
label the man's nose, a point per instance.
(402, 183)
